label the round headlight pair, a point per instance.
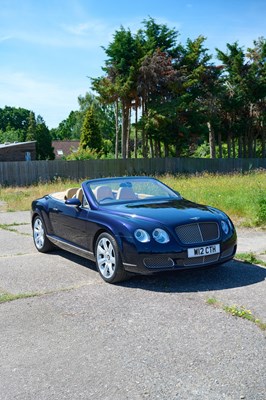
(158, 234)
(142, 236)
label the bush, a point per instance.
(84, 154)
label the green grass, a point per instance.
(250, 258)
(10, 227)
(237, 311)
(6, 297)
(20, 198)
(242, 196)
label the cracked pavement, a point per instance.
(148, 338)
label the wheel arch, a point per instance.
(111, 232)
(33, 216)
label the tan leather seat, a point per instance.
(126, 193)
(70, 193)
(79, 195)
(103, 192)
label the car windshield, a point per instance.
(129, 189)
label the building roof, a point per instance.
(9, 144)
(18, 151)
(64, 147)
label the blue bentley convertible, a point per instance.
(132, 225)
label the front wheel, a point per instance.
(40, 239)
(108, 259)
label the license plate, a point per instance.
(204, 251)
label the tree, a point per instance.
(245, 82)
(69, 128)
(90, 134)
(104, 113)
(185, 111)
(121, 69)
(31, 131)
(122, 81)
(156, 76)
(12, 117)
(257, 89)
(11, 135)
(44, 149)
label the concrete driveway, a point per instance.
(148, 338)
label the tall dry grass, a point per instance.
(242, 196)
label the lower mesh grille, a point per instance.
(201, 260)
(158, 262)
(198, 233)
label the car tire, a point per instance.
(108, 259)
(40, 239)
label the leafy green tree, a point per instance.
(176, 103)
(16, 118)
(158, 37)
(244, 79)
(104, 113)
(122, 81)
(121, 69)
(108, 95)
(31, 131)
(90, 134)
(44, 149)
(11, 135)
(257, 90)
(70, 128)
(155, 79)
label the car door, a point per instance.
(70, 223)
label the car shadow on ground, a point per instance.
(227, 276)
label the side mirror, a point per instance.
(73, 202)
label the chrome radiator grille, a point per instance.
(198, 232)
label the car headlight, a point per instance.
(225, 227)
(231, 226)
(160, 236)
(142, 236)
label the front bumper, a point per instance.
(151, 262)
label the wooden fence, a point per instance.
(22, 173)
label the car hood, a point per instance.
(167, 212)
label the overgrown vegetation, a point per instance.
(180, 97)
(159, 97)
(237, 311)
(242, 196)
(250, 258)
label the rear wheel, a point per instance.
(40, 239)
(108, 259)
